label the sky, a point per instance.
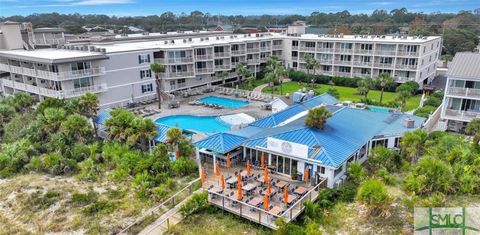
(226, 7)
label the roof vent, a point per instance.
(409, 123)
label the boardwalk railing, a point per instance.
(159, 210)
(259, 215)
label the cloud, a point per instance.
(100, 2)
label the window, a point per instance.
(386, 60)
(294, 43)
(147, 73)
(80, 66)
(337, 171)
(366, 71)
(397, 142)
(431, 47)
(344, 69)
(368, 47)
(172, 84)
(310, 44)
(218, 62)
(142, 59)
(321, 169)
(295, 64)
(235, 47)
(263, 44)
(345, 57)
(218, 49)
(82, 82)
(147, 88)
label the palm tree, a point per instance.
(311, 64)
(89, 105)
(403, 97)
(383, 81)
(142, 130)
(276, 71)
(77, 129)
(446, 58)
(364, 86)
(317, 117)
(157, 69)
(473, 128)
(174, 136)
(413, 144)
(118, 123)
(242, 71)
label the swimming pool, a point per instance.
(204, 124)
(379, 109)
(225, 102)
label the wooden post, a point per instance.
(240, 209)
(260, 217)
(168, 223)
(173, 201)
(291, 209)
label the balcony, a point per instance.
(342, 74)
(57, 76)
(402, 79)
(54, 93)
(222, 67)
(384, 52)
(253, 50)
(253, 61)
(361, 51)
(203, 70)
(344, 62)
(312, 49)
(294, 48)
(362, 63)
(277, 47)
(361, 75)
(383, 65)
(177, 74)
(322, 49)
(408, 53)
(323, 61)
(50, 41)
(267, 48)
(222, 54)
(466, 92)
(295, 58)
(203, 57)
(238, 62)
(406, 66)
(344, 50)
(238, 52)
(461, 115)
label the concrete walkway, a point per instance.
(168, 219)
(260, 88)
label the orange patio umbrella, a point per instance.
(203, 176)
(177, 153)
(222, 182)
(306, 175)
(217, 169)
(269, 187)
(239, 187)
(266, 202)
(265, 175)
(248, 168)
(285, 195)
(229, 162)
(262, 160)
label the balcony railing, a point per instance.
(295, 48)
(177, 74)
(203, 70)
(267, 48)
(222, 54)
(360, 51)
(406, 66)
(253, 61)
(238, 62)
(361, 75)
(342, 74)
(384, 52)
(203, 57)
(238, 52)
(253, 50)
(345, 62)
(362, 63)
(295, 58)
(54, 93)
(462, 115)
(50, 41)
(307, 48)
(402, 79)
(468, 92)
(383, 65)
(408, 53)
(58, 76)
(322, 49)
(277, 47)
(322, 61)
(344, 50)
(222, 67)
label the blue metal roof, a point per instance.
(103, 116)
(161, 132)
(344, 134)
(221, 142)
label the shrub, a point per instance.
(383, 174)
(184, 166)
(333, 92)
(373, 194)
(384, 157)
(345, 81)
(437, 199)
(355, 172)
(433, 101)
(161, 192)
(100, 207)
(82, 199)
(195, 204)
(409, 86)
(430, 175)
(424, 111)
(347, 192)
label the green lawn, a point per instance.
(346, 93)
(255, 83)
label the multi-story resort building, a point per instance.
(461, 102)
(118, 69)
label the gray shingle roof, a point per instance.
(465, 65)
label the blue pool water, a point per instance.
(379, 109)
(225, 102)
(204, 124)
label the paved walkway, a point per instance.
(160, 226)
(260, 88)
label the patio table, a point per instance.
(249, 187)
(291, 198)
(281, 184)
(232, 181)
(300, 191)
(216, 189)
(256, 201)
(276, 210)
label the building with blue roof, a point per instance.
(289, 146)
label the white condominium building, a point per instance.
(118, 70)
(461, 103)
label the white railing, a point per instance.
(222, 54)
(360, 51)
(303, 48)
(277, 47)
(253, 61)
(58, 76)
(325, 61)
(403, 79)
(407, 53)
(295, 48)
(177, 74)
(406, 66)
(342, 50)
(267, 48)
(54, 93)
(223, 66)
(362, 63)
(204, 70)
(238, 52)
(432, 120)
(255, 49)
(342, 74)
(462, 115)
(362, 75)
(343, 62)
(49, 41)
(383, 65)
(203, 57)
(384, 52)
(321, 49)
(468, 92)
(180, 60)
